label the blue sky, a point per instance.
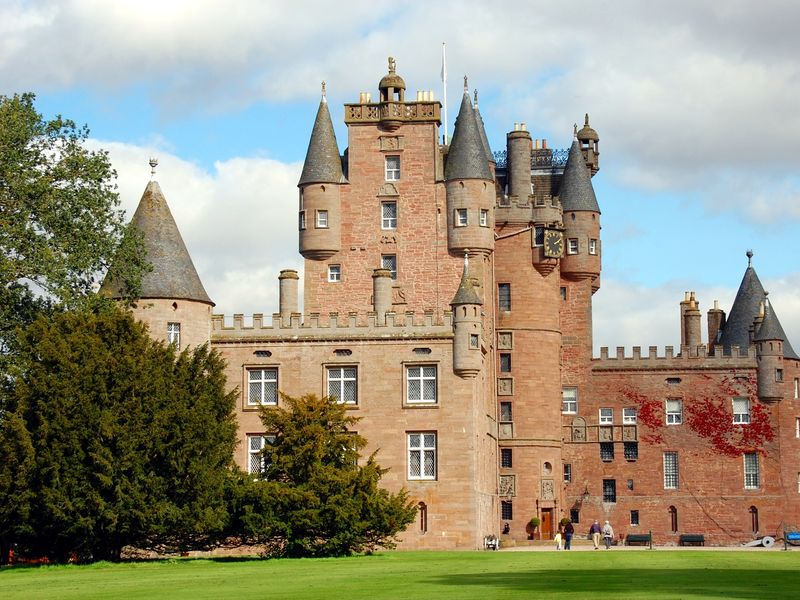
(694, 102)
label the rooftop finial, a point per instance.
(466, 85)
(153, 165)
(476, 97)
(749, 255)
(392, 64)
(586, 120)
(324, 93)
(575, 130)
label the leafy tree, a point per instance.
(313, 498)
(114, 439)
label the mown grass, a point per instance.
(639, 575)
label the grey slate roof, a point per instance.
(323, 164)
(745, 309)
(576, 191)
(173, 274)
(467, 158)
(770, 328)
(466, 293)
(484, 138)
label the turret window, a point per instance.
(572, 246)
(174, 334)
(592, 246)
(538, 235)
(322, 219)
(462, 218)
(741, 411)
(778, 374)
(484, 218)
(389, 262)
(302, 220)
(392, 168)
(388, 215)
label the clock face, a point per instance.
(553, 243)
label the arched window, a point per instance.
(423, 517)
(673, 519)
(754, 520)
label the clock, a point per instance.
(553, 243)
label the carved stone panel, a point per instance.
(505, 431)
(508, 485)
(505, 340)
(629, 433)
(388, 189)
(505, 386)
(578, 429)
(606, 434)
(391, 142)
(548, 489)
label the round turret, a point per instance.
(467, 327)
(769, 353)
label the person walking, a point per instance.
(608, 534)
(569, 530)
(595, 531)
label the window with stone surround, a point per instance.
(670, 470)
(506, 458)
(301, 220)
(752, 476)
(741, 411)
(673, 519)
(343, 384)
(567, 472)
(262, 386)
(483, 220)
(421, 384)
(674, 411)
(322, 219)
(609, 490)
(572, 246)
(422, 455)
(255, 452)
(629, 415)
(506, 510)
(606, 416)
(389, 262)
(174, 334)
(504, 296)
(631, 450)
(538, 235)
(334, 273)
(462, 217)
(392, 168)
(505, 412)
(607, 451)
(778, 374)
(592, 246)
(389, 215)
(569, 400)
(505, 362)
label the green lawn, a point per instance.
(426, 575)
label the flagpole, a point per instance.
(444, 93)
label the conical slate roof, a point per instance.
(771, 330)
(576, 190)
(745, 309)
(467, 158)
(482, 131)
(323, 164)
(466, 293)
(173, 274)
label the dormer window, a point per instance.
(392, 168)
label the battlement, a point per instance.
(335, 326)
(686, 358)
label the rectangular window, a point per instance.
(334, 272)
(255, 460)
(569, 400)
(474, 340)
(322, 219)
(629, 416)
(778, 374)
(631, 450)
(505, 362)
(538, 235)
(796, 388)
(674, 411)
(262, 386)
(752, 478)
(567, 473)
(484, 218)
(574, 515)
(635, 518)
(388, 215)
(343, 384)
(592, 246)
(609, 490)
(421, 384)
(741, 411)
(504, 296)
(606, 451)
(606, 416)
(505, 412)
(670, 470)
(797, 427)
(301, 220)
(572, 246)
(174, 334)
(389, 261)
(461, 217)
(392, 168)
(506, 458)
(506, 510)
(422, 455)
(562, 291)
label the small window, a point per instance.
(606, 416)
(421, 384)
(506, 458)
(606, 451)
(629, 416)
(741, 411)
(302, 220)
(255, 452)
(422, 455)
(474, 340)
(334, 272)
(388, 215)
(322, 219)
(569, 400)
(506, 510)
(797, 427)
(392, 168)
(343, 384)
(574, 515)
(609, 490)
(505, 362)
(538, 235)
(631, 450)
(504, 296)
(262, 387)
(461, 217)
(796, 388)
(563, 292)
(567, 473)
(778, 374)
(174, 334)
(572, 246)
(673, 519)
(506, 415)
(752, 479)
(673, 380)
(674, 411)
(484, 218)
(389, 262)
(629, 484)
(670, 470)
(635, 518)
(754, 520)
(592, 246)
(423, 517)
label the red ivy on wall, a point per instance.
(650, 413)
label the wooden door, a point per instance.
(547, 523)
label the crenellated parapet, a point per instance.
(688, 358)
(333, 325)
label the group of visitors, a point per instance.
(566, 530)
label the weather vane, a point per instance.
(153, 165)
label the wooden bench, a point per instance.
(637, 539)
(692, 539)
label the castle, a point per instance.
(448, 304)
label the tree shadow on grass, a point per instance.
(634, 583)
